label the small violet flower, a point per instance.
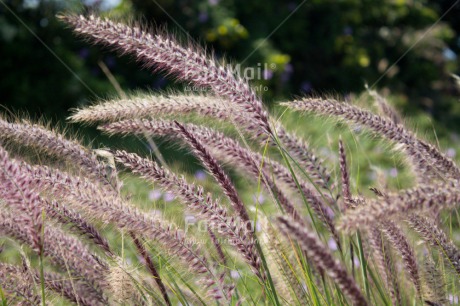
(200, 175)
(168, 197)
(155, 195)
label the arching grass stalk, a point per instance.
(165, 264)
(3, 297)
(285, 156)
(375, 280)
(363, 265)
(306, 267)
(271, 288)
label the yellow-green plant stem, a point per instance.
(42, 270)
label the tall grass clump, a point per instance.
(79, 235)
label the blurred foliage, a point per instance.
(316, 46)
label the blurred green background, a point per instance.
(316, 46)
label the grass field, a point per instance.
(318, 202)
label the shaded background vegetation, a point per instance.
(314, 46)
